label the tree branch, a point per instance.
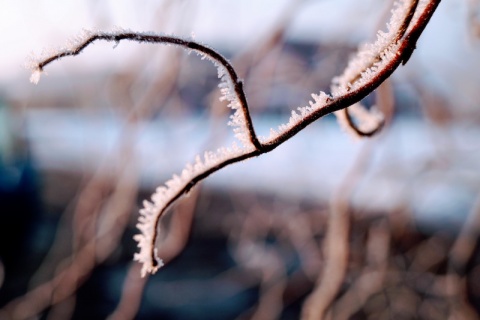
(344, 95)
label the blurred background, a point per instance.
(81, 150)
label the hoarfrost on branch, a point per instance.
(373, 64)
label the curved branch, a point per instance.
(165, 197)
(38, 65)
(358, 131)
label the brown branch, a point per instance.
(153, 38)
(406, 46)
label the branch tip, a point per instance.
(36, 74)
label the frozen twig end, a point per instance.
(36, 74)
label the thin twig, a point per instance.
(406, 45)
(164, 39)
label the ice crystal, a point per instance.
(319, 101)
(371, 57)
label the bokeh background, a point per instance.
(81, 150)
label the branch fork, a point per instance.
(365, 72)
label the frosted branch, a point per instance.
(231, 86)
(367, 62)
(373, 65)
